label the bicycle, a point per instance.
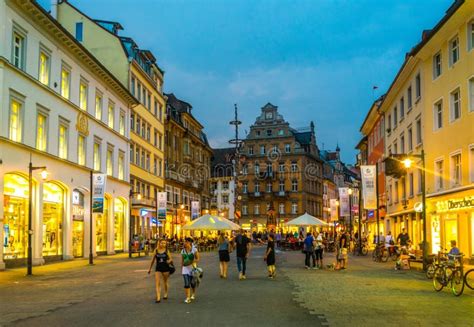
(450, 272)
(365, 249)
(436, 262)
(379, 253)
(469, 279)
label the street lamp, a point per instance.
(408, 162)
(130, 231)
(44, 175)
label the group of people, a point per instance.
(314, 245)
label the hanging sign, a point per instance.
(98, 192)
(195, 208)
(161, 205)
(333, 207)
(344, 210)
(368, 174)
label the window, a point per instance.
(98, 105)
(41, 132)
(256, 209)
(281, 208)
(410, 139)
(245, 170)
(281, 132)
(83, 95)
(470, 35)
(225, 199)
(287, 148)
(281, 167)
(245, 187)
(453, 51)
(402, 108)
(122, 123)
(411, 185)
(418, 86)
(269, 187)
(250, 150)
(456, 172)
(245, 209)
(262, 149)
(294, 208)
(438, 115)
(81, 150)
(409, 98)
(110, 114)
(395, 196)
(109, 162)
(257, 168)
(79, 31)
(44, 67)
(132, 85)
(390, 194)
(389, 119)
(471, 94)
(294, 167)
(437, 68)
(257, 187)
(16, 120)
(63, 141)
(225, 185)
(395, 147)
(137, 155)
(418, 131)
(139, 91)
(18, 47)
(402, 143)
(65, 82)
(97, 156)
(281, 186)
(455, 105)
(439, 170)
(294, 185)
(395, 117)
(269, 132)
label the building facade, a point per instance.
(281, 173)
(223, 183)
(138, 69)
(47, 86)
(187, 164)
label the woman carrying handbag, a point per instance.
(164, 268)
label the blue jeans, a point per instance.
(242, 264)
(189, 281)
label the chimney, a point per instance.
(54, 9)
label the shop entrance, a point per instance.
(15, 224)
(77, 224)
(53, 198)
(118, 224)
(450, 232)
(101, 228)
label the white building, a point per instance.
(51, 89)
(222, 182)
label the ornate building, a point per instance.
(187, 164)
(281, 174)
(222, 183)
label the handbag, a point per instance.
(172, 268)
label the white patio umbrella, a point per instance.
(306, 220)
(209, 222)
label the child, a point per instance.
(402, 261)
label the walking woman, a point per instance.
(224, 250)
(189, 257)
(163, 260)
(270, 257)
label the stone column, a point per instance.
(67, 226)
(37, 212)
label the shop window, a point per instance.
(53, 211)
(77, 224)
(15, 223)
(450, 231)
(119, 214)
(101, 228)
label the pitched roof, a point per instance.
(303, 138)
(221, 162)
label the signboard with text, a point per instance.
(98, 192)
(344, 210)
(369, 194)
(333, 208)
(195, 209)
(161, 203)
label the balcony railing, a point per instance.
(175, 176)
(144, 202)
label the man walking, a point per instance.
(242, 243)
(403, 238)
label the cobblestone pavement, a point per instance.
(374, 294)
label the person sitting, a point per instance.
(453, 254)
(403, 260)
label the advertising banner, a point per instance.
(161, 203)
(98, 192)
(368, 186)
(195, 209)
(344, 210)
(333, 207)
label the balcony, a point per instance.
(281, 193)
(174, 176)
(266, 175)
(143, 202)
(255, 194)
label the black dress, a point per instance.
(271, 255)
(162, 262)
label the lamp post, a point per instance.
(407, 162)
(44, 175)
(130, 230)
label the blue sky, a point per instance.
(315, 60)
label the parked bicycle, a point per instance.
(379, 253)
(435, 263)
(469, 279)
(450, 273)
(365, 248)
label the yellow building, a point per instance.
(430, 107)
(138, 69)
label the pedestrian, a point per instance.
(189, 258)
(224, 250)
(343, 249)
(308, 250)
(318, 250)
(270, 257)
(403, 238)
(164, 267)
(389, 243)
(242, 244)
(278, 237)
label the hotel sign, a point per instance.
(455, 204)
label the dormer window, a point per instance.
(269, 132)
(269, 115)
(257, 132)
(281, 132)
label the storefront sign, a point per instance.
(344, 210)
(195, 208)
(368, 174)
(333, 209)
(161, 205)
(435, 234)
(455, 204)
(98, 192)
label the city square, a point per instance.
(237, 162)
